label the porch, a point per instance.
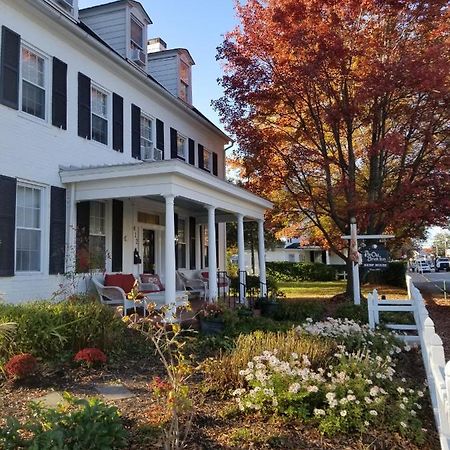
(157, 217)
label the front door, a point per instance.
(148, 251)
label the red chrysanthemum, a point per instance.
(90, 356)
(20, 366)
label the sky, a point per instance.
(198, 26)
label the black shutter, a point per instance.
(82, 255)
(117, 236)
(9, 68)
(192, 243)
(57, 230)
(135, 132)
(191, 152)
(173, 143)
(8, 188)
(214, 163)
(217, 244)
(160, 136)
(84, 106)
(201, 163)
(59, 94)
(117, 122)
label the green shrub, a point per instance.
(288, 271)
(394, 275)
(49, 330)
(348, 310)
(78, 424)
(299, 311)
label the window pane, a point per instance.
(97, 218)
(99, 129)
(99, 102)
(136, 33)
(97, 252)
(181, 141)
(33, 67)
(33, 100)
(28, 250)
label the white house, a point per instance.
(104, 161)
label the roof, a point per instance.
(180, 103)
(171, 51)
(118, 2)
(297, 246)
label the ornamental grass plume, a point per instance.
(90, 356)
(21, 366)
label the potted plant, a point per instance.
(269, 306)
(211, 318)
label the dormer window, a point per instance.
(69, 6)
(137, 34)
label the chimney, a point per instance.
(156, 45)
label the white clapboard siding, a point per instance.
(436, 368)
(110, 26)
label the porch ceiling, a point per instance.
(172, 177)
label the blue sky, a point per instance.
(199, 26)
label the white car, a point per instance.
(423, 266)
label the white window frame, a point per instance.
(103, 234)
(184, 147)
(108, 113)
(209, 153)
(46, 87)
(133, 43)
(144, 138)
(44, 227)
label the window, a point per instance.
(184, 91)
(28, 228)
(33, 83)
(181, 244)
(99, 115)
(97, 235)
(147, 144)
(207, 160)
(137, 34)
(181, 146)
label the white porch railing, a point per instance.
(437, 371)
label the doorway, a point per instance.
(148, 251)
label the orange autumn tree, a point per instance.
(341, 108)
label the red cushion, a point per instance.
(205, 274)
(126, 281)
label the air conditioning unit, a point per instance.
(137, 56)
(151, 154)
(66, 4)
(157, 154)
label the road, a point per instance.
(436, 284)
(431, 286)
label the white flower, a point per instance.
(420, 393)
(366, 423)
(413, 413)
(402, 406)
(312, 389)
(400, 390)
(319, 412)
(343, 413)
(403, 424)
(294, 388)
(372, 412)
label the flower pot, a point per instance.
(269, 309)
(210, 327)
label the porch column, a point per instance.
(169, 275)
(198, 247)
(241, 257)
(71, 247)
(262, 258)
(212, 260)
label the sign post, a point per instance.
(354, 256)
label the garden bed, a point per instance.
(217, 421)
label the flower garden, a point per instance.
(313, 383)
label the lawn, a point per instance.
(327, 289)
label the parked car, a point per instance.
(423, 266)
(442, 264)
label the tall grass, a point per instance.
(224, 371)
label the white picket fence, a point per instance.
(424, 334)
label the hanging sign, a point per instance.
(375, 257)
